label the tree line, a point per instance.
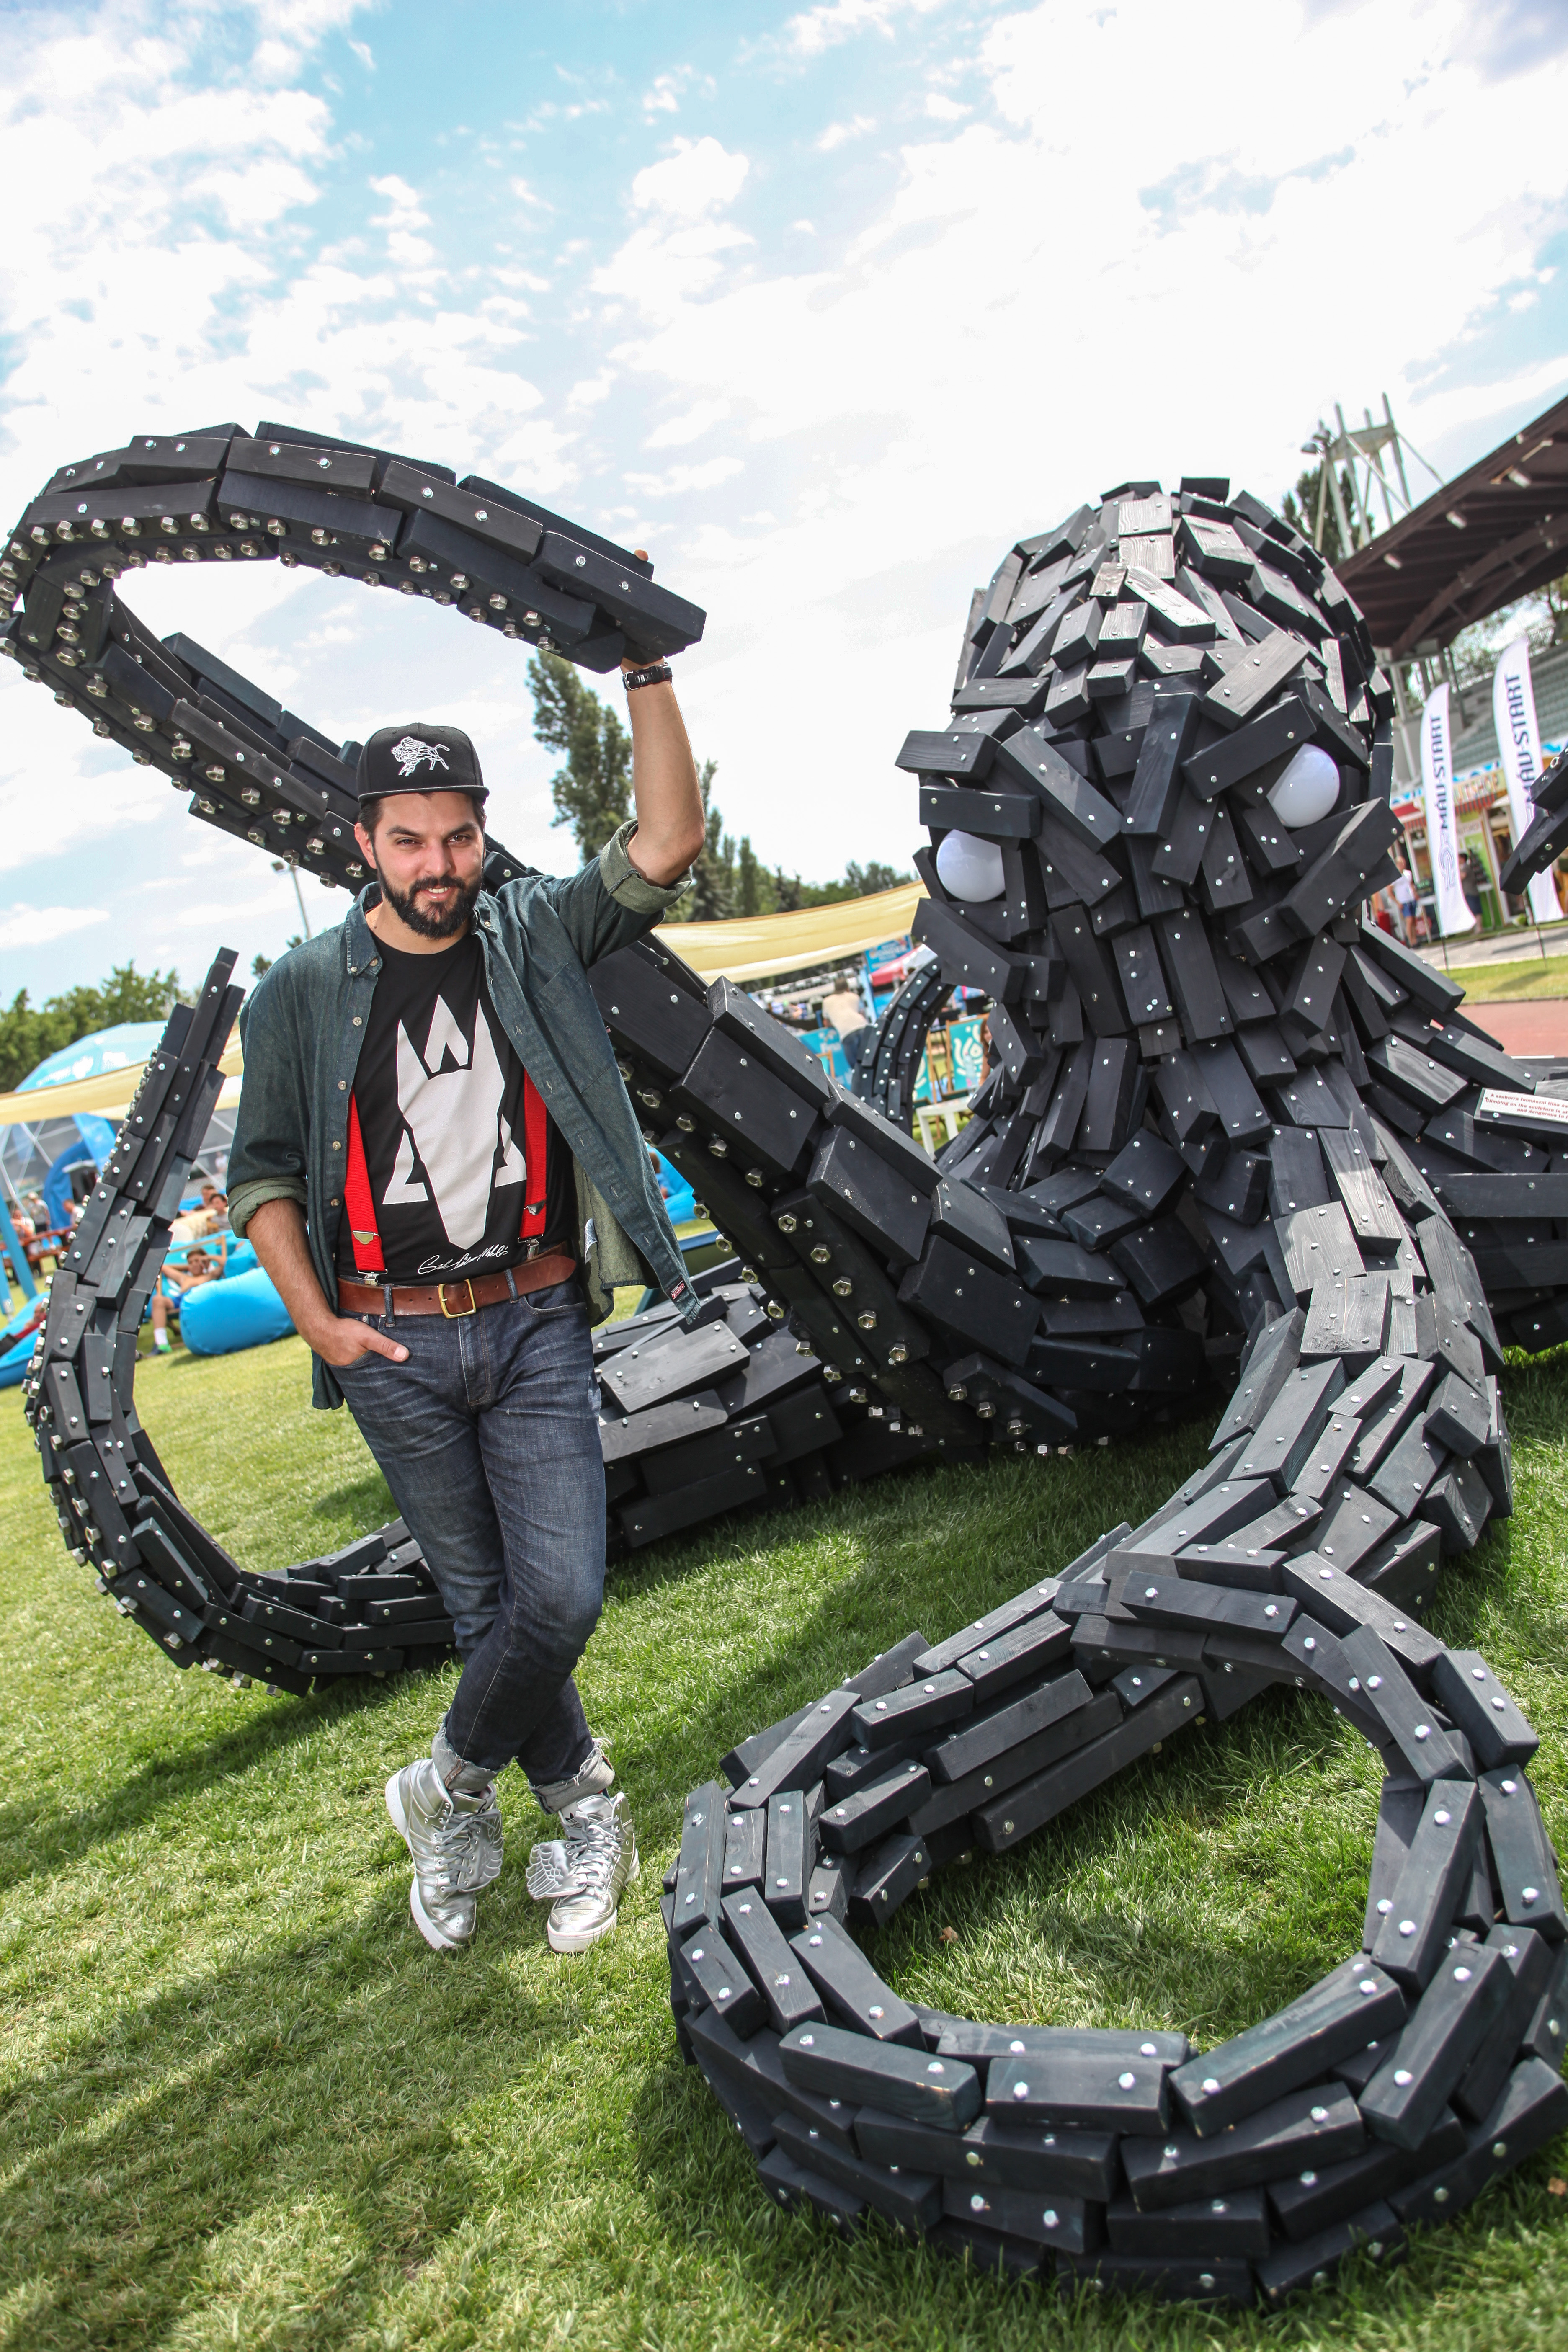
(591, 792)
(30, 1032)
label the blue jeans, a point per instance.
(488, 1438)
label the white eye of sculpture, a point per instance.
(1307, 789)
(970, 868)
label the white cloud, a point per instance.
(294, 27)
(172, 322)
(664, 98)
(914, 398)
(1466, 406)
(407, 252)
(404, 203)
(213, 914)
(943, 363)
(837, 134)
(676, 253)
(681, 479)
(678, 430)
(592, 390)
(699, 177)
(817, 29)
(93, 791)
(694, 180)
(21, 926)
(165, 269)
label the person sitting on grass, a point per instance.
(200, 1267)
(212, 1217)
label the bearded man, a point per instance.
(440, 1169)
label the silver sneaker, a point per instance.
(455, 1842)
(582, 1874)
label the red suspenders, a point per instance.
(369, 1257)
(535, 1130)
(357, 1200)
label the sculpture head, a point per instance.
(1166, 774)
(1163, 794)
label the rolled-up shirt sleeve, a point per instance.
(609, 903)
(270, 1157)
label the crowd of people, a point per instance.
(1400, 909)
(201, 1230)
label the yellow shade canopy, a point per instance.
(751, 947)
(109, 1094)
(755, 947)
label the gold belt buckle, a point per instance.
(456, 1314)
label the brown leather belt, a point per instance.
(456, 1299)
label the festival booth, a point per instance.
(831, 973)
(64, 1118)
(1468, 751)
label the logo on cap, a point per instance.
(412, 755)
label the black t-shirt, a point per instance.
(439, 1093)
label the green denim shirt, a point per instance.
(303, 1025)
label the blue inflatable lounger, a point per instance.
(240, 1309)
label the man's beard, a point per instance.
(446, 922)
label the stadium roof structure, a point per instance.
(1483, 540)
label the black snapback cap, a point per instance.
(418, 759)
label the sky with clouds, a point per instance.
(824, 305)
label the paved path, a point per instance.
(1512, 946)
(1537, 1025)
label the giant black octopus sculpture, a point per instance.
(1234, 1130)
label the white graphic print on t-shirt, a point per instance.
(453, 1120)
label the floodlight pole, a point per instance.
(1352, 449)
(279, 866)
(1398, 452)
(1374, 466)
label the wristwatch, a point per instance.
(655, 674)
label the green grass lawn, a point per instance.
(1533, 975)
(243, 2105)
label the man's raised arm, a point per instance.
(668, 800)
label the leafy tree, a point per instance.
(30, 1032)
(261, 965)
(712, 894)
(865, 881)
(1542, 618)
(753, 892)
(1555, 596)
(593, 790)
(790, 893)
